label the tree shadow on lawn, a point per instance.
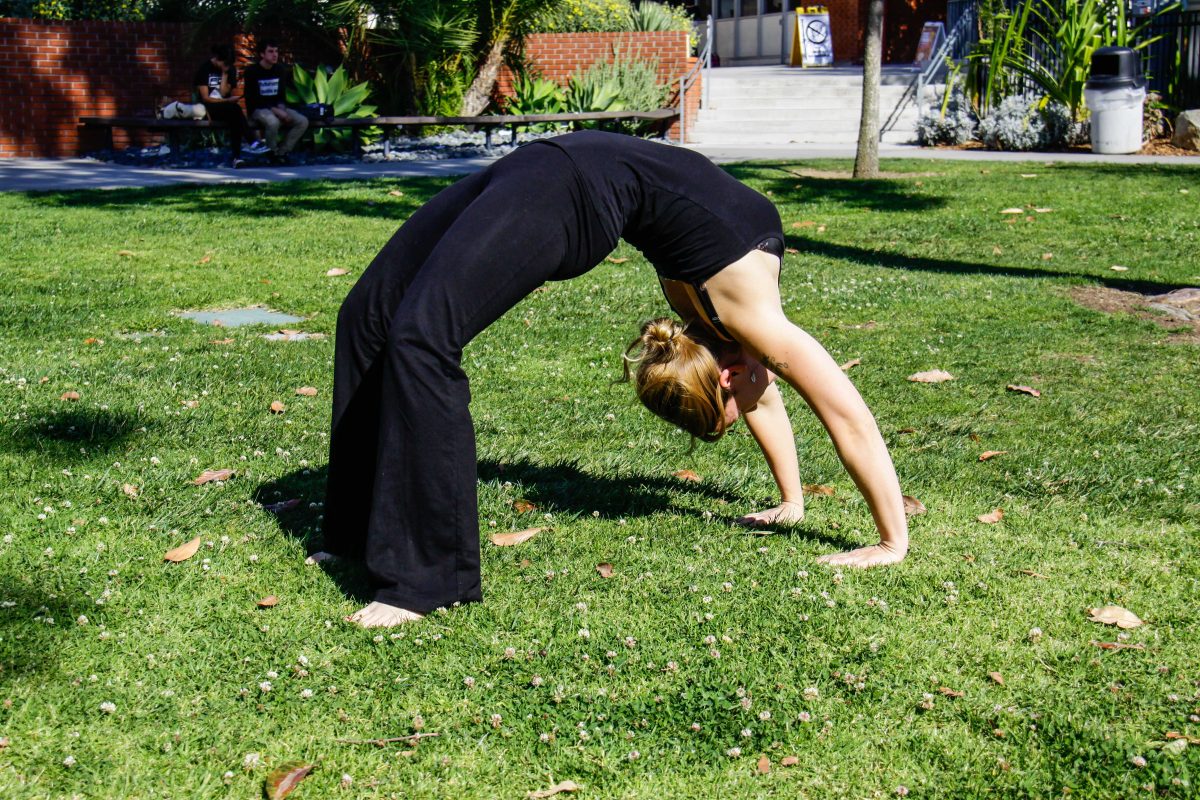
(563, 488)
(877, 194)
(61, 435)
(245, 201)
(883, 258)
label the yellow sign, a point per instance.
(812, 39)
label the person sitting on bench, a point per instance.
(215, 81)
(266, 93)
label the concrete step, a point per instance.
(844, 138)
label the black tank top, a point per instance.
(688, 216)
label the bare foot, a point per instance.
(786, 513)
(381, 615)
(877, 555)
(319, 556)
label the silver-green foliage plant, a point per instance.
(952, 122)
(334, 89)
(1025, 122)
(626, 84)
(536, 95)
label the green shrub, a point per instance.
(632, 84)
(584, 16)
(536, 95)
(335, 90)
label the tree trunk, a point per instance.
(866, 161)
(479, 94)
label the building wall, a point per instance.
(558, 55)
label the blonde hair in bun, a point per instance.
(676, 374)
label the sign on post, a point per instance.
(932, 34)
(812, 39)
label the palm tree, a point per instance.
(500, 20)
(866, 160)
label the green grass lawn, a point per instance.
(710, 646)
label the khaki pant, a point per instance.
(297, 125)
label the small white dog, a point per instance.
(173, 109)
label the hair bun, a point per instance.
(661, 333)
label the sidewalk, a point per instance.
(38, 174)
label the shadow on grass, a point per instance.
(244, 201)
(883, 258)
(31, 629)
(878, 194)
(62, 434)
(562, 488)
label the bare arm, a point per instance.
(771, 428)
(746, 296)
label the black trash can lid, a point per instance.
(1115, 68)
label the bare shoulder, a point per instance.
(746, 293)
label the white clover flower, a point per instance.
(747, 733)
(634, 755)
(510, 652)
(734, 752)
(227, 776)
(804, 716)
(82, 620)
(108, 708)
(763, 716)
(253, 557)
(306, 693)
(710, 639)
(251, 760)
(812, 693)
(1138, 761)
(902, 790)
(69, 761)
(469, 682)
(543, 737)
(347, 780)
(745, 703)
(671, 667)
(272, 675)
(536, 680)
(630, 642)
(695, 726)
(496, 720)
(302, 660)
(581, 607)
(265, 686)
(1035, 634)
(706, 599)
(584, 633)
(727, 586)
(377, 638)
(714, 653)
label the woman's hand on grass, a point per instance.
(786, 513)
(877, 555)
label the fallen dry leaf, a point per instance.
(190, 403)
(1178, 735)
(605, 569)
(789, 761)
(523, 506)
(820, 229)
(278, 407)
(764, 765)
(207, 258)
(791, 250)
(1115, 615)
(514, 537)
(1033, 574)
(948, 692)
(906, 430)
(1119, 268)
(991, 454)
(307, 391)
(395, 193)
(854, 362)
(336, 272)
(283, 505)
(558, 788)
(270, 601)
(997, 678)
(130, 490)
(808, 223)
(1043, 210)
(44, 379)
(183, 552)
(612, 260)
(687, 475)
(221, 341)
(284, 778)
(125, 253)
(931, 376)
(1029, 390)
(816, 488)
(1118, 645)
(997, 250)
(70, 396)
(1028, 175)
(992, 517)
(93, 340)
(1012, 211)
(1047, 256)
(913, 507)
(213, 475)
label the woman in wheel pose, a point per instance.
(402, 467)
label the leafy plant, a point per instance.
(594, 90)
(953, 122)
(651, 16)
(536, 95)
(1025, 122)
(349, 102)
(583, 16)
(1002, 40)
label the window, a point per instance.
(749, 8)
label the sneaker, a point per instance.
(257, 149)
(237, 163)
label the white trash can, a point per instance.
(1115, 94)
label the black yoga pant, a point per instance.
(231, 114)
(401, 490)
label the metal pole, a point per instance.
(710, 31)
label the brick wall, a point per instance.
(60, 71)
(558, 55)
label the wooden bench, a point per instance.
(175, 128)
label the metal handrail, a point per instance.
(703, 62)
(964, 23)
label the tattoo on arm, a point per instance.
(775, 366)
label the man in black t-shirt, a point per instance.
(215, 81)
(266, 99)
